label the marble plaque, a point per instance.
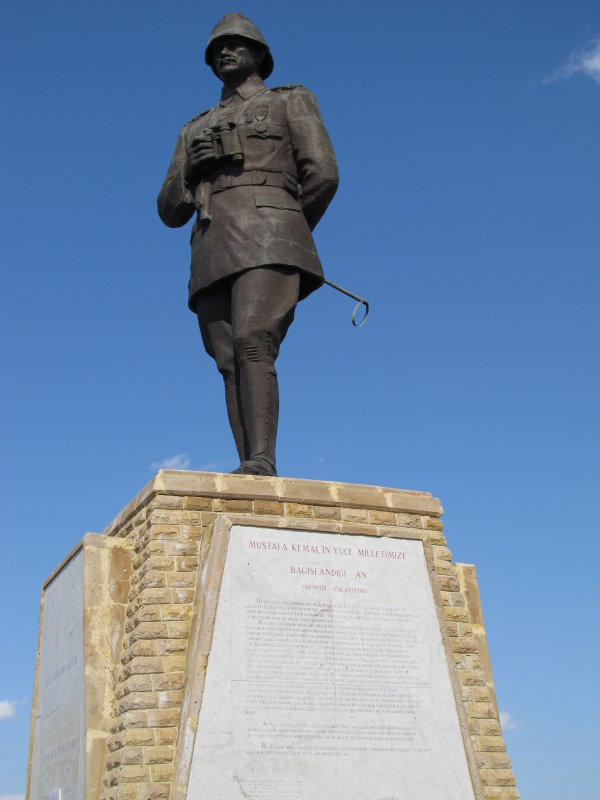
(58, 751)
(327, 677)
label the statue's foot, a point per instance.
(256, 466)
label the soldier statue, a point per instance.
(259, 171)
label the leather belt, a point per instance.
(257, 177)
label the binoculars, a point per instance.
(225, 140)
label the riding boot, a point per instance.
(234, 412)
(259, 392)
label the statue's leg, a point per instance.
(213, 308)
(263, 302)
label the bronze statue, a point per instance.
(259, 170)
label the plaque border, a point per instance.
(208, 584)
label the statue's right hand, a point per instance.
(200, 158)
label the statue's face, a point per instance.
(235, 58)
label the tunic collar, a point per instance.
(251, 86)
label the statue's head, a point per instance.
(237, 30)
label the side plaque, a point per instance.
(327, 676)
(59, 737)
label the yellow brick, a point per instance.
(481, 710)
(163, 718)
(175, 611)
(434, 537)
(327, 512)
(409, 520)
(443, 568)
(359, 528)
(174, 664)
(491, 792)
(382, 518)
(181, 580)
(448, 583)
(464, 645)
(113, 759)
(138, 736)
(474, 726)
(161, 772)
(136, 702)
(490, 727)
(154, 791)
(491, 744)
(298, 510)
(178, 630)
(130, 719)
(171, 647)
(198, 503)
(441, 553)
(502, 777)
(150, 630)
(355, 515)
(170, 699)
(182, 595)
(432, 523)
(166, 501)
(181, 548)
(168, 682)
(115, 741)
(144, 648)
(499, 761)
(144, 665)
(186, 517)
(165, 735)
(139, 683)
(166, 532)
(152, 580)
(456, 614)
(155, 595)
(268, 508)
(133, 773)
(157, 564)
(155, 548)
(186, 564)
(471, 677)
(445, 597)
(237, 506)
(482, 694)
(126, 792)
(158, 755)
(132, 755)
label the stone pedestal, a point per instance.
(247, 637)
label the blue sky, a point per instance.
(467, 141)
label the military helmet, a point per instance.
(241, 26)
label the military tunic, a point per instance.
(258, 207)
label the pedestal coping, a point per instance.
(288, 490)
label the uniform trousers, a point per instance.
(243, 319)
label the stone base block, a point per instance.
(248, 637)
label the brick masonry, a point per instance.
(164, 528)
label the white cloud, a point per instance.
(12, 797)
(584, 59)
(508, 722)
(7, 710)
(180, 461)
